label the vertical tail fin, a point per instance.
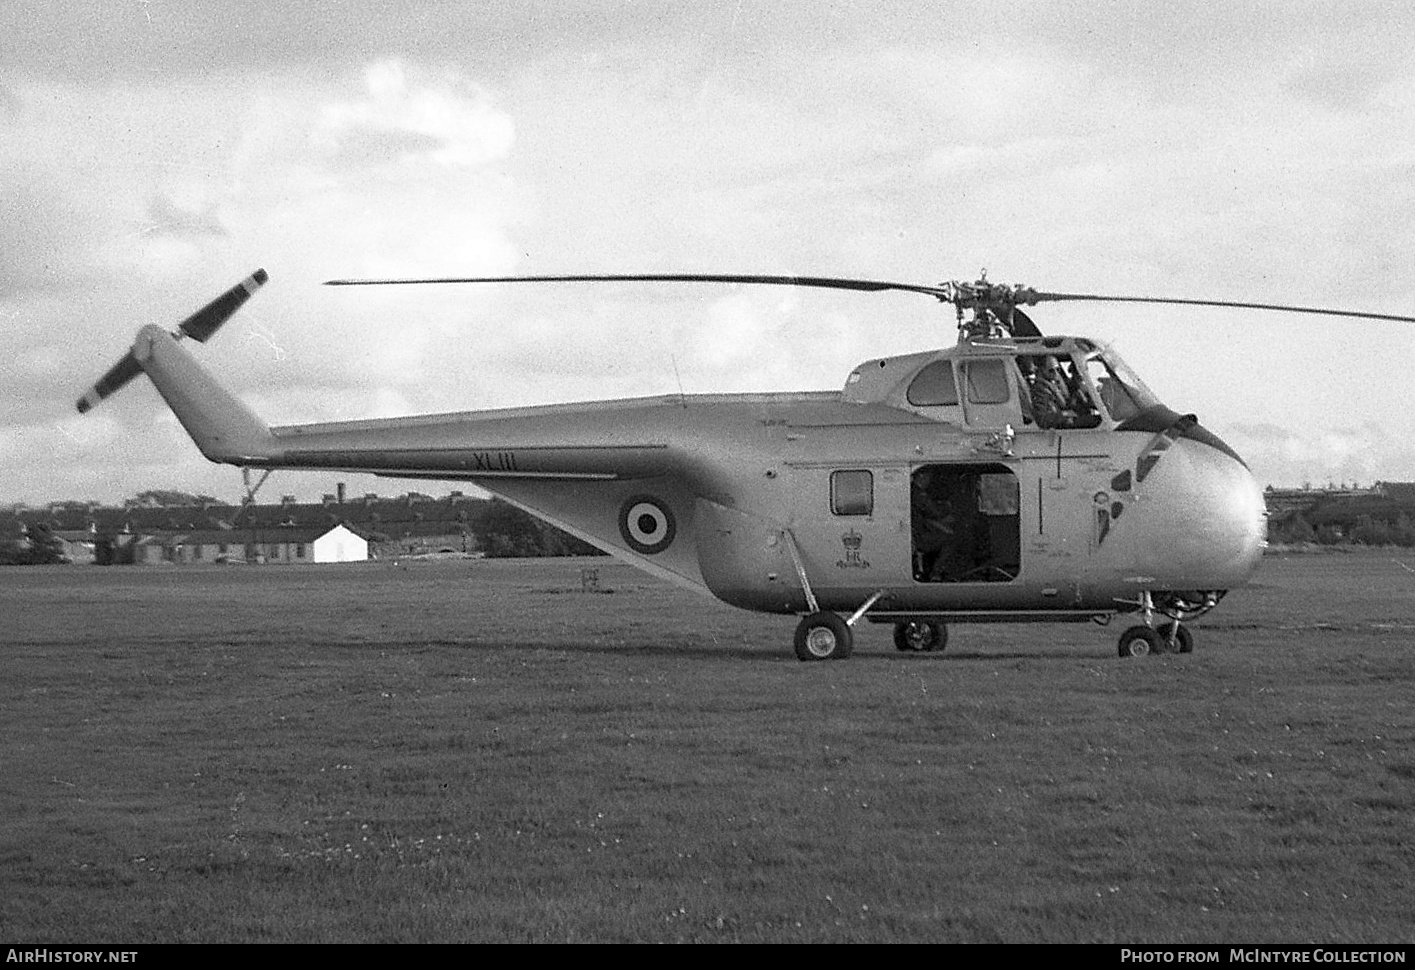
(223, 428)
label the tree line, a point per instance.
(1365, 520)
(41, 548)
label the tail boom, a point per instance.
(607, 441)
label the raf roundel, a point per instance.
(646, 524)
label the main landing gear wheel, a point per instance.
(1140, 641)
(823, 636)
(920, 636)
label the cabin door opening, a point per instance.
(965, 524)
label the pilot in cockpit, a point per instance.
(1059, 400)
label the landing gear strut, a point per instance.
(823, 635)
(1173, 637)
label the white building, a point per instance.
(340, 544)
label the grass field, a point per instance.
(479, 751)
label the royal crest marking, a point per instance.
(852, 541)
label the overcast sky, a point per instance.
(154, 152)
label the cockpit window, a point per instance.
(933, 386)
(1122, 392)
(1056, 394)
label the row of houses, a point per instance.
(297, 546)
(334, 530)
(216, 546)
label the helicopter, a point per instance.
(1013, 477)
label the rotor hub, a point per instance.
(988, 311)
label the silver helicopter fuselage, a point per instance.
(799, 502)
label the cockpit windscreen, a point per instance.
(1122, 392)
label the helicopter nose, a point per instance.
(1202, 520)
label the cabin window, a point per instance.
(998, 494)
(852, 493)
(933, 386)
(987, 382)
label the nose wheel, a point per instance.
(1178, 639)
(1172, 637)
(1143, 641)
(1139, 641)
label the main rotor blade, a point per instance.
(1037, 297)
(828, 282)
(982, 294)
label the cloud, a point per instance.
(151, 154)
(1286, 456)
(168, 218)
(45, 243)
(410, 116)
(135, 203)
(1340, 87)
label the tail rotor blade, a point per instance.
(118, 375)
(206, 321)
(199, 326)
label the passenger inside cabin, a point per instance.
(944, 506)
(932, 524)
